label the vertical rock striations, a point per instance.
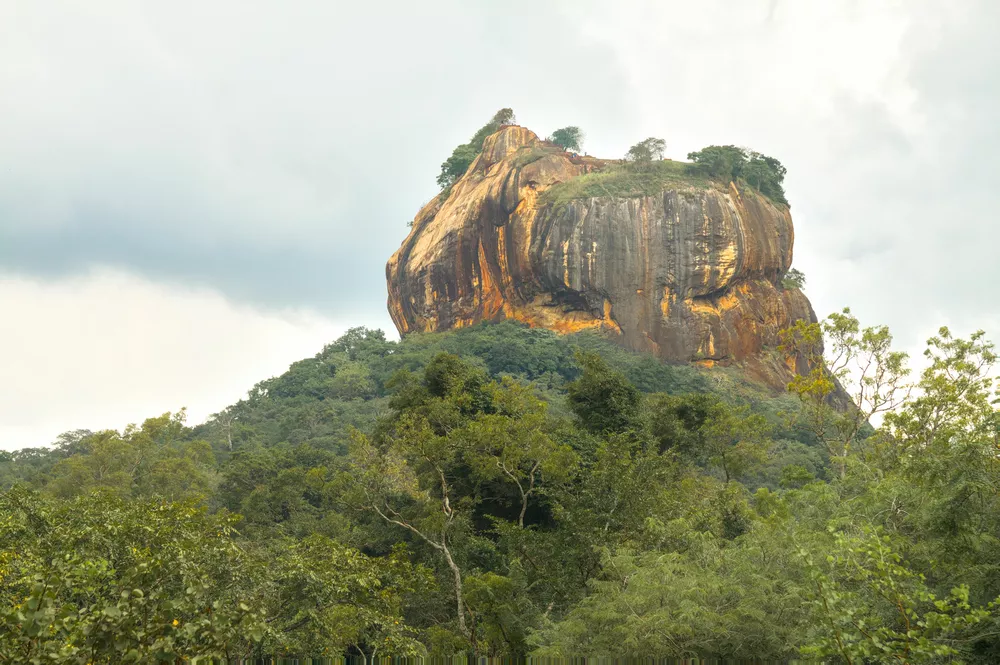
(681, 267)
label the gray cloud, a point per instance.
(911, 207)
(274, 154)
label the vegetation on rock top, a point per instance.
(567, 138)
(643, 172)
(462, 156)
(624, 181)
(728, 162)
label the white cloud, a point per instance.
(111, 348)
(304, 135)
(883, 112)
(274, 152)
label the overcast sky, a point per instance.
(195, 194)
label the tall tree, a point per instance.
(862, 361)
(735, 440)
(643, 153)
(407, 484)
(730, 163)
(602, 398)
(513, 444)
(567, 138)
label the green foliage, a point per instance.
(956, 393)
(720, 161)
(708, 599)
(870, 607)
(567, 138)
(462, 157)
(504, 490)
(529, 154)
(643, 153)
(515, 444)
(730, 163)
(796, 475)
(627, 482)
(623, 181)
(860, 362)
(104, 580)
(734, 440)
(154, 459)
(454, 426)
(603, 399)
(793, 279)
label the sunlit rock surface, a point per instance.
(692, 273)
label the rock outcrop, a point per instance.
(691, 273)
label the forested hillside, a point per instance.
(505, 490)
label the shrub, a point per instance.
(793, 279)
(461, 157)
(567, 138)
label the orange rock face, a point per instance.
(691, 273)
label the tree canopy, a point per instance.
(462, 156)
(794, 279)
(503, 491)
(567, 138)
(646, 151)
(729, 162)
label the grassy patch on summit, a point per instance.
(527, 155)
(617, 180)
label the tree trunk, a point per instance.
(460, 606)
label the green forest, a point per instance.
(507, 491)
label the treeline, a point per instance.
(504, 491)
(726, 163)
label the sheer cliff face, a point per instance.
(690, 274)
